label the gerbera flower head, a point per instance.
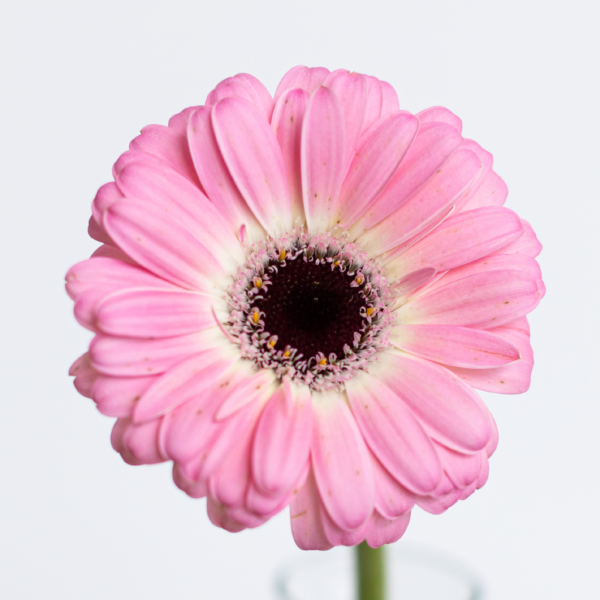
(294, 299)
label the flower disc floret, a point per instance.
(312, 308)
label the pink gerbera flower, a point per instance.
(295, 298)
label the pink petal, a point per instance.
(484, 300)
(382, 530)
(351, 91)
(138, 444)
(259, 503)
(305, 78)
(460, 239)
(243, 86)
(444, 488)
(92, 272)
(450, 411)
(376, 160)
(341, 462)
(428, 282)
(173, 195)
(281, 446)
(254, 159)
(228, 463)
(413, 280)
(526, 245)
(168, 145)
(117, 396)
(193, 489)
(230, 482)
(288, 118)
(236, 430)
(491, 192)
(521, 324)
(136, 156)
(264, 99)
(162, 245)
(85, 307)
(455, 346)
(154, 313)
(85, 375)
(109, 251)
(428, 205)
(497, 262)
(179, 122)
(391, 499)
(128, 357)
(106, 196)
(192, 427)
(481, 480)
(323, 158)
(432, 224)
(90, 281)
(184, 381)
(487, 162)
(462, 469)
(437, 506)
(195, 437)
(492, 445)
(247, 388)
(215, 177)
(431, 148)
(389, 99)
(219, 516)
(393, 434)
(514, 378)
(116, 440)
(305, 517)
(439, 114)
(337, 536)
(96, 232)
(373, 102)
(248, 518)
(268, 505)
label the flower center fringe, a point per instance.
(313, 308)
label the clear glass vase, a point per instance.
(414, 573)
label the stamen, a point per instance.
(318, 295)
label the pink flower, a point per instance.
(295, 298)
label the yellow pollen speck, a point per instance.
(256, 316)
(359, 280)
(282, 255)
(258, 282)
(370, 311)
(323, 362)
(287, 353)
(272, 343)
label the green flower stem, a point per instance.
(370, 571)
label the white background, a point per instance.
(80, 79)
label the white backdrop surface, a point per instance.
(79, 81)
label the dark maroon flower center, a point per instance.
(312, 308)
